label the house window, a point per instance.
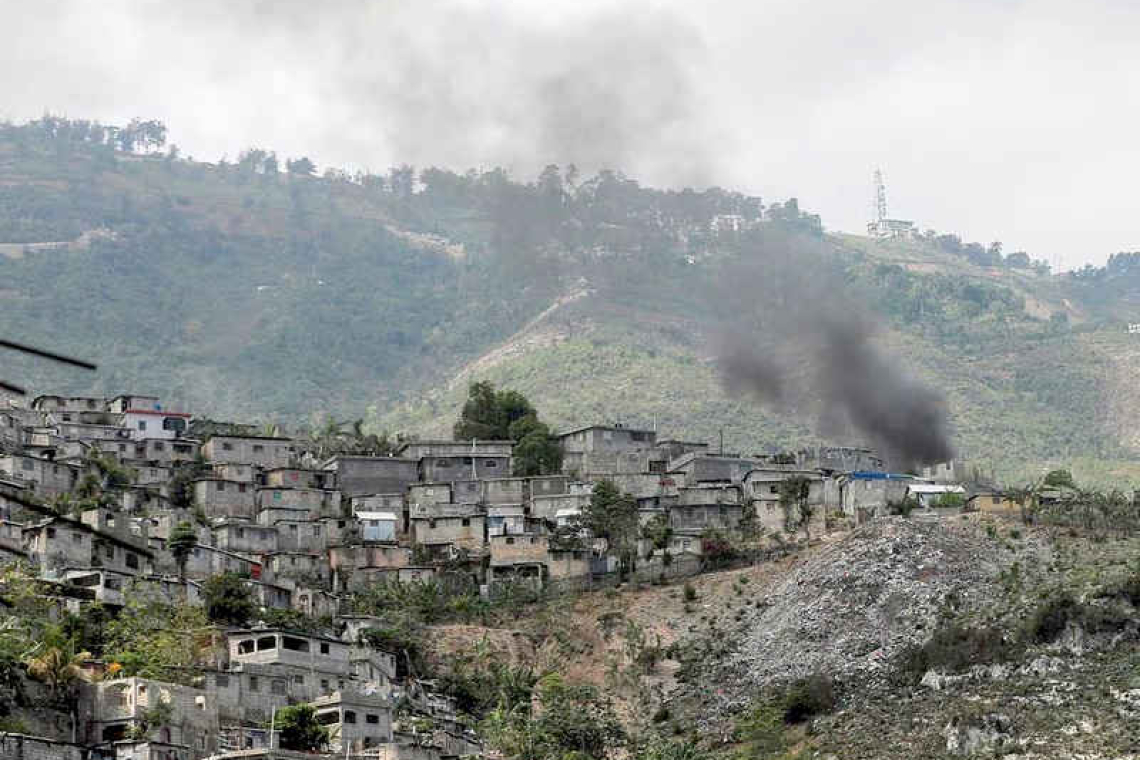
(122, 448)
(277, 496)
(443, 463)
(349, 716)
(110, 552)
(466, 521)
(222, 681)
(132, 560)
(241, 532)
(221, 486)
(324, 648)
(27, 464)
(258, 448)
(491, 464)
(142, 424)
(159, 446)
(51, 532)
(510, 539)
(372, 719)
(75, 537)
(253, 684)
(277, 686)
(324, 684)
(299, 679)
(241, 487)
(467, 460)
(316, 530)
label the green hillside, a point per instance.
(243, 290)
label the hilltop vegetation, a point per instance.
(257, 288)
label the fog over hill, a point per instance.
(242, 290)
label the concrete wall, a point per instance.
(357, 476)
(264, 452)
(225, 498)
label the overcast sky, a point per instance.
(996, 119)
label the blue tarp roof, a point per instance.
(864, 475)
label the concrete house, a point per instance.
(164, 451)
(518, 558)
(306, 536)
(547, 485)
(378, 502)
(225, 498)
(762, 492)
(108, 710)
(469, 466)
(205, 561)
(49, 478)
(68, 404)
(360, 475)
(429, 494)
(153, 423)
(441, 448)
(443, 525)
(264, 451)
(355, 722)
(864, 495)
(292, 477)
(693, 468)
(300, 567)
(245, 538)
(706, 506)
(595, 448)
(378, 527)
(319, 503)
(239, 473)
(506, 520)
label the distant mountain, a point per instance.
(242, 290)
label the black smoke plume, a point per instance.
(800, 341)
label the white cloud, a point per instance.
(998, 120)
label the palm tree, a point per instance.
(61, 668)
(182, 541)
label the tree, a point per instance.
(612, 515)
(576, 718)
(227, 600)
(183, 539)
(488, 413)
(537, 451)
(299, 729)
(1060, 479)
(794, 493)
(301, 167)
(60, 666)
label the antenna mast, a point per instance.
(880, 197)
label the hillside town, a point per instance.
(108, 500)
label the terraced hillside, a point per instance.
(240, 290)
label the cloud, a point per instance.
(998, 120)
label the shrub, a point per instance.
(808, 697)
(903, 507)
(956, 647)
(690, 593)
(1052, 617)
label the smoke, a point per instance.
(449, 83)
(801, 343)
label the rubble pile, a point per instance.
(850, 610)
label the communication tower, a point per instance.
(881, 226)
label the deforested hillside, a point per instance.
(258, 287)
